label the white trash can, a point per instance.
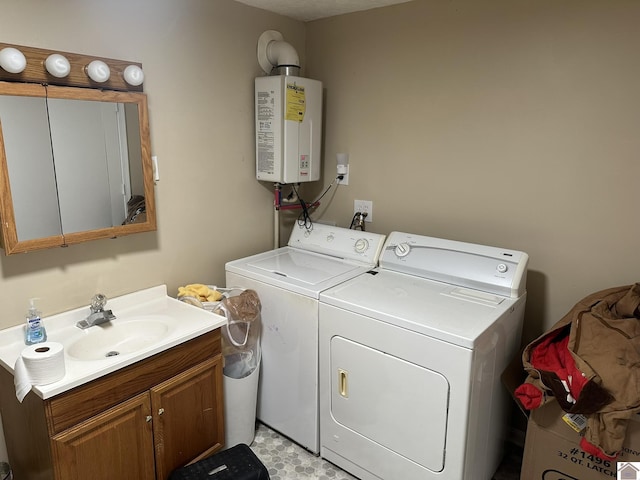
(240, 399)
(242, 358)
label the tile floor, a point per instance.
(286, 460)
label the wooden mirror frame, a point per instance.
(10, 241)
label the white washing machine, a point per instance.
(289, 281)
(411, 355)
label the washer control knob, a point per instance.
(502, 268)
(402, 249)
(362, 245)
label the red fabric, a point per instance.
(529, 395)
(552, 355)
(593, 450)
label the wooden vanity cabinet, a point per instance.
(115, 444)
(181, 437)
(138, 423)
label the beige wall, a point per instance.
(500, 122)
(199, 57)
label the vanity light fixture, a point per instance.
(98, 71)
(66, 69)
(133, 75)
(12, 60)
(57, 65)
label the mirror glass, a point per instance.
(76, 163)
(29, 159)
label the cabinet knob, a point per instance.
(149, 418)
(161, 411)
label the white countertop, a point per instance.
(185, 323)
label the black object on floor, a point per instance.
(236, 463)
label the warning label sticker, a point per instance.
(295, 104)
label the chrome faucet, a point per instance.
(98, 314)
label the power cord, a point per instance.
(304, 219)
(292, 197)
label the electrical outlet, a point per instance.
(345, 177)
(364, 206)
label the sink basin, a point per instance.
(118, 338)
(147, 322)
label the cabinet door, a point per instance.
(188, 416)
(115, 444)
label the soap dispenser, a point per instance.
(34, 330)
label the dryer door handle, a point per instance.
(343, 388)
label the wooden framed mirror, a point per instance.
(75, 165)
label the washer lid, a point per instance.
(303, 267)
(451, 313)
(314, 260)
(307, 273)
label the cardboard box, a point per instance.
(552, 450)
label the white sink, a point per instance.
(147, 322)
(119, 338)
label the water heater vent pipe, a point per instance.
(276, 56)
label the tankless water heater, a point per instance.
(288, 113)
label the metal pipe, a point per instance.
(277, 193)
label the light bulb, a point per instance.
(57, 65)
(133, 75)
(98, 71)
(12, 60)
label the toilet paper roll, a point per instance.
(39, 364)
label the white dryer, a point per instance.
(289, 281)
(411, 355)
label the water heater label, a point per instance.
(295, 107)
(265, 107)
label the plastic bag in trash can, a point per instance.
(241, 334)
(240, 365)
